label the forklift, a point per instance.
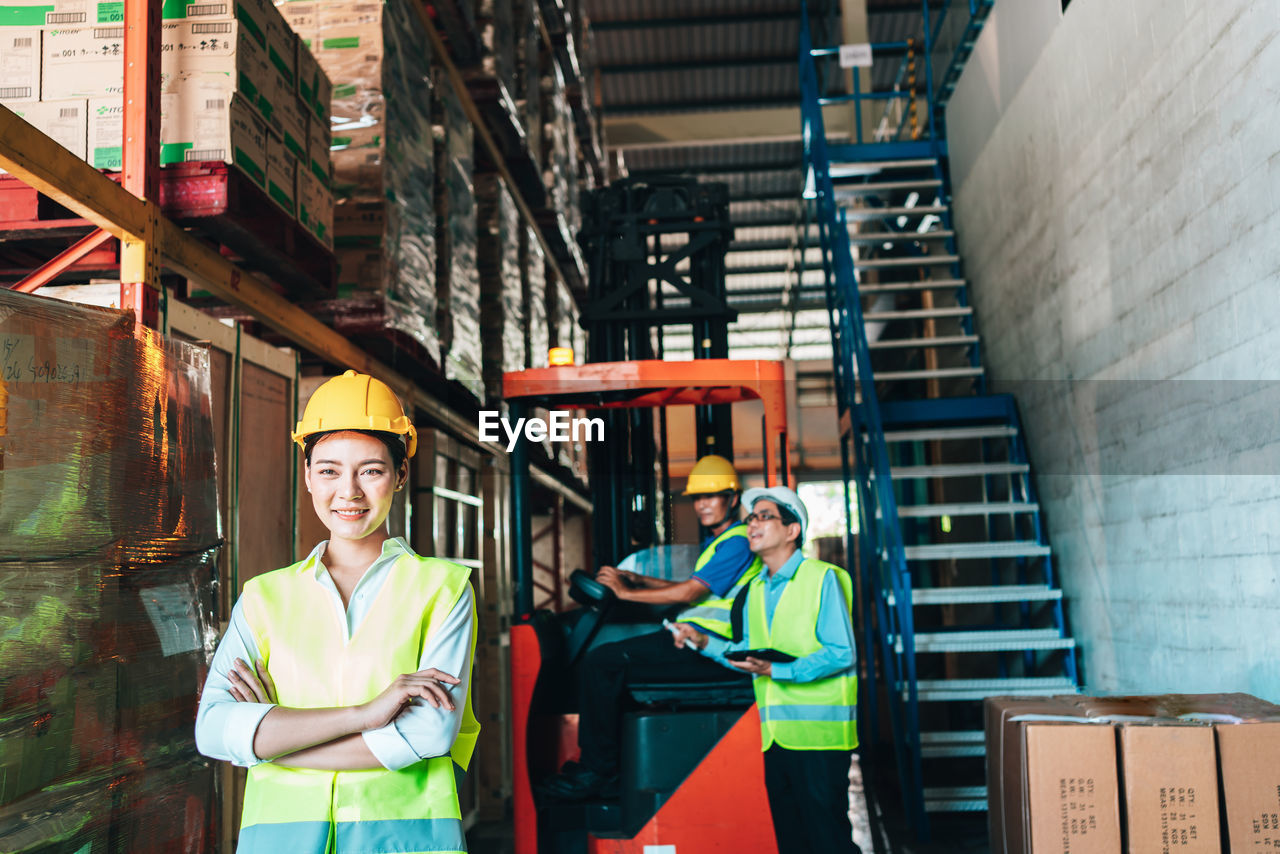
(692, 772)
(692, 769)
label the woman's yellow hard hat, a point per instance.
(712, 475)
(356, 401)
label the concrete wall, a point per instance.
(1120, 226)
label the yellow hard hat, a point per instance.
(356, 402)
(711, 475)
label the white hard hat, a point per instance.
(782, 496)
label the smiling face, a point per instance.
(352, 484)
(712, 509)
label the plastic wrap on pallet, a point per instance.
(496, 24)
(502, 315)
(379, 59)
(458, 280)
(528, 93)
(533, 268)
(563, 315)
(573, 209)
(106, 623)
(556, 128)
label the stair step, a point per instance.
(974, 508)
(936, 341)
(915, 261)
(901, 287)
(931, 434)
(872, 213)
(928, 374)
(942, 745)
(918, 313)
(981, 595)
(956, 470)
(974, 551)
(950, 690)
(955, 799)
(895, 236)
(842, 169)
(887, 187)
(996, 640)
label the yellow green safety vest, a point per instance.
(295, 627)
(713, 613)
(820, 715)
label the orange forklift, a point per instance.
(692, 772)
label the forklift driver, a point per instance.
(724, 568)
(807, 695)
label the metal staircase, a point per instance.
(959, 598)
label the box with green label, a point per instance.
(65, 122)
(199, 123)
(60, 13)
(224, 50)
(82, 62)
(105, 133)
(289, 122)
(20, 68)
(282, 175)
(315, 207)
(319, 161)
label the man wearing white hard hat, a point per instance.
(797, 623)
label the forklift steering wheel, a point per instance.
(586, 591)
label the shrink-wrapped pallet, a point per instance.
(534, 269)
(529, 58)
(108, 537)
(502, 312)
(458, 281)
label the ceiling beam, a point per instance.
(628, 25)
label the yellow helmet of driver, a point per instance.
(711, 475)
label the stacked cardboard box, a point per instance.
(105, 605)
(231, 90)
(458, 282)
(502, 308)
(1081, 774)
(378, 59)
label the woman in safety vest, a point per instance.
(808, 705)
(343, 681)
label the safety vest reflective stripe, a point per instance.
(414, 809)
(714, 613)
(808, 713)
(819, 715)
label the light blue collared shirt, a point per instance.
(225, 728)
(835, 630)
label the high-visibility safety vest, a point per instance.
(713, 613)
(298, 635)
(819, 715)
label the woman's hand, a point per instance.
(251, 685)
(429, 684)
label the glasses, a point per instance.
(762, 516)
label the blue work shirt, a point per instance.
(731, 559)
(834, 631)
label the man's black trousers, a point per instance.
(809, 800)
(606, 672)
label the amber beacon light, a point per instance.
(560, 356)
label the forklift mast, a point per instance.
(650, 242)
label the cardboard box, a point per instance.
(1171, 788)
(314, 87)
(60, 13)
(282, 47)
(185, 10)
(282, 175)
(315, 206)
(226, 51)
(319, 161)
(82, 62)
(200, 123)
(359, 224)
(19, 64)
(106, 133)
(350, 45)
(289, 121)
(302, 16)
(1072, 793)
(65, 122)
(1249, 763)
(360, 270)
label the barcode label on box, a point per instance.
(18, 43)
(14, 92)
(108, 32)
(65, 18)
(68, 112)
(206, 9)
(195, 154)
(203, 29)
(215, 104)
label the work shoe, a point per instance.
(576, 782)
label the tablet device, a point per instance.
(761, 654)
